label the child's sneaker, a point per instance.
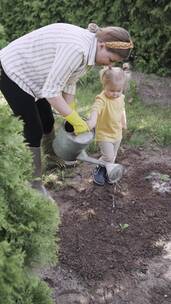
(99, 175)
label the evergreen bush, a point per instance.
(28, 221)
(3, 37)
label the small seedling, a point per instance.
(164, 177)
(123, 226)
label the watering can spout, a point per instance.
(83, 156)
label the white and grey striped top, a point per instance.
(49, 60)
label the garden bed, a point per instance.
(115, 240)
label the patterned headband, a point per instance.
(119, 45)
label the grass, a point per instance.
(149, 124)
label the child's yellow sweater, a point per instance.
(110, 111)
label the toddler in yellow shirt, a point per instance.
(109, 118)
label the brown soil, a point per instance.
(115, 241)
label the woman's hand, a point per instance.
(79, 125)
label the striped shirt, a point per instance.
(49, 60)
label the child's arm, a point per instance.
(123, 120)
(95, 112)
(92, 119)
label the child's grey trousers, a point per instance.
(109, 150)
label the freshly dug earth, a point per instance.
(115, 240)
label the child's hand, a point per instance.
(90, 124)
(92, 120)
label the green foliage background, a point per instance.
(148, 22)
(28, 221)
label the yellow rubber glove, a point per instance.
(79, 125)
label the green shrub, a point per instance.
(16, 285)
(28, 221)
(91, 80)
(3, 37)
(11, 272)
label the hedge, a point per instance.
(147, 21)
(28, 221)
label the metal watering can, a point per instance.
(71, 147)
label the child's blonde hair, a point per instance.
(114, 75)
(117, 39)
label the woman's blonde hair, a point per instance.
(117, 39)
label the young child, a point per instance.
(109, 118)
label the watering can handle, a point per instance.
(83, 156)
